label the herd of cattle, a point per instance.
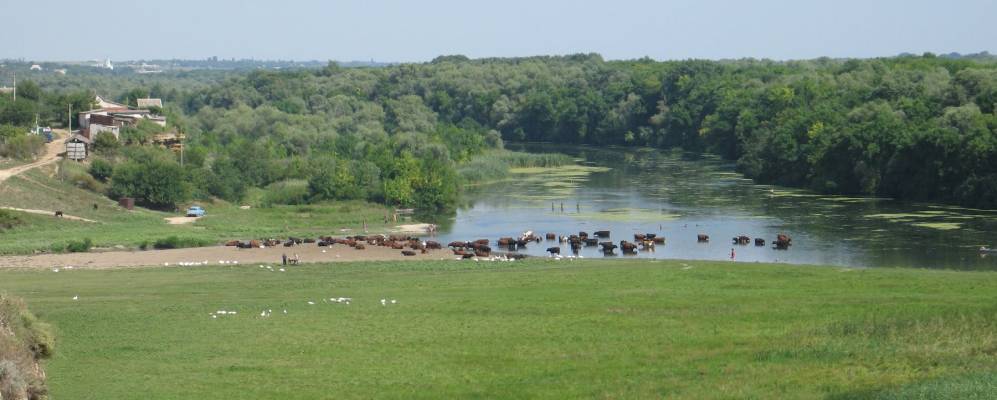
(411, 246)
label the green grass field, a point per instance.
(42, 189)
(530, 329)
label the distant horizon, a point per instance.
(408, 32)
(321, 60)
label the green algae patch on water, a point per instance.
(790, 193)
(565, 170)
(942, 226)
(897, 216)
(627, 215)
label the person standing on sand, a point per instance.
(283, 259)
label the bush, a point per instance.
(85, 181)
(292, 192)
(101, 169)
(9, 220)
(24, 147)
(174, 242)
(79, 246)
(106, 143)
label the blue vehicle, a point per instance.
(195, 211)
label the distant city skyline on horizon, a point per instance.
(319, 60)
(393, 31)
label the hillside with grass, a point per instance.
(58, 187)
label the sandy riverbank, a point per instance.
(308, 253)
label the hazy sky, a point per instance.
(418, 30)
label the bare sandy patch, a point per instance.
(180, 220)
(413, 228)
(215, 255)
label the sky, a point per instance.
(419, 30)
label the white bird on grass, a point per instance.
(384, 302)
(311, 303)
(393, 301)
(77, 297)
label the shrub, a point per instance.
(24, 147)
(101, 169)
(9, 220)
(144, 245)
(106, 143)
(174, 242)
(85, 181)
(79, 246)
(292, 192)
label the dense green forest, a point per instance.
(911, 127)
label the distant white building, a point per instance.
(108, 65)
(36, 67)
(146, 103)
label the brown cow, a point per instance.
(628, 247)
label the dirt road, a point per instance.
(47, 212)
(308, 253)
(52, 151)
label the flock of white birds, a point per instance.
(200, 263)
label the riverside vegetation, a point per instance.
(910, 127)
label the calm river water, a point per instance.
(679, 196)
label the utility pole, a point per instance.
(180, 133)
(15, 85)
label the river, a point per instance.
(678, 195)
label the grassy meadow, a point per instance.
(528, 329)
(43, 189)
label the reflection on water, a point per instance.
(631, 191)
